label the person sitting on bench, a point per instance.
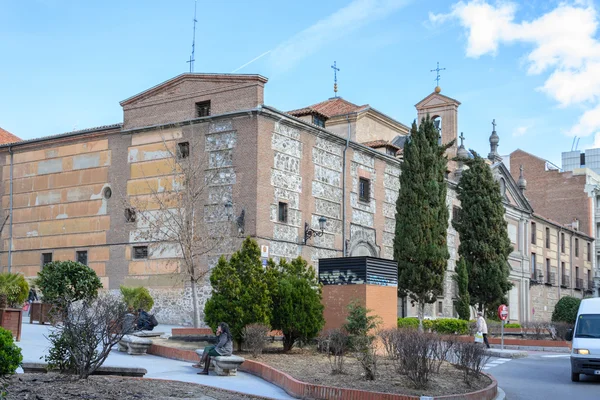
(224, 347)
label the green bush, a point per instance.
(67, 281)
(513, 325)
(566, 310)
(15, 288)
(137, 297)
(427, 325)
(10, 354)
(408, 322)
(450, 326)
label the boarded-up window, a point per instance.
(82, 257)
(140, 252)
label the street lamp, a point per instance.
(309, 232)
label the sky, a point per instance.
(533, 66)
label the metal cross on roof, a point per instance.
(437, 71)
(335, 70)
(494, 124)
(462, 139)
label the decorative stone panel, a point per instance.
(388, 239)
(287, 163)
(328, 208)
(220, 126)
(362, 218)
(387, 252)
(325, 191)
(219, 159)
(219, 194)
(287, 130)
(389, 225)
(292, 198)
(364, 159)
(294, 216)
(283, 249)
(215, 213)
(322, 253)
(329, 146)
(286, 180)
(285, 232)
(221, 141)
(389, 210)
(364, 233)
(354, 167)
(221, 176)
(327, 240)
(391, 182)
(391, 196)
(392, 170)
(284, 144)
(361, 205)
(329, 160)
(328, 176)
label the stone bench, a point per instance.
(42, 368)
(226, 365)
(134, 345)
(147, 334)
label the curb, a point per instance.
(501, 395)
(301, 389)
(506, 353)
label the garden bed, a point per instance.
(60, 387)
(309, 366)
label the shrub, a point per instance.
(10, 356)
(537, 329)
(360, 325)
(389, 339)
(566, 310)
(471, 358)
(450, 326)
(559, 330)
(513, 325)
(296, 296)
(408, 322)
(427, 325)
(335, 343)
(415, 351)
(67, 281)
(14, 288)
(137, 297)
(255, 338)
(84, 339)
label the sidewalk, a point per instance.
(34, 345)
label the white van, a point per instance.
(585, 355)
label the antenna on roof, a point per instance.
(191, 61)
(573, 144)
(577, 144)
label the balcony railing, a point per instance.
(579, 283)
(551, 279)
(537, 276)
(566, 281)
(590, 285)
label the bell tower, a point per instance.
(443, 110)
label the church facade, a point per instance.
(317, 182)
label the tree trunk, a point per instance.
(196, 311)
(288, 343)
(421, 314)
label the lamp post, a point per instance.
(309, 232)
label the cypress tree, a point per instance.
(422, 218)
(484, 242)
(462, 304)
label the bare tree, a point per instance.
(184, 212)
(89, 330)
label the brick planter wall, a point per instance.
(11, 320)
(301, 389)
(191, 331)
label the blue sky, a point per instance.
(533, 66)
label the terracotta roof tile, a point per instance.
(380, 143)
(329, 108)
(7, 137)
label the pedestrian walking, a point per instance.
(482, 327)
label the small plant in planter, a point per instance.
(13, 290)
(137, 298)
(11, 357)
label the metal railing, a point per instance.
(551, 279)
(566, 281)
(579, 283)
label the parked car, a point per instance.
(585, 353)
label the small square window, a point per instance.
(183, 150)
(440, 307)
(82, 257)
(364, 189)
(283, 212)
(140, 252)
(319, 121)
(130, 215)
(46, 258)
(203, 109)
(576, 247)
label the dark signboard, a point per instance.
(358, 271)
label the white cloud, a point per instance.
(563, 42)
(330, 29)
(521, 130)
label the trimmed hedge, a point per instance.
(513, 325)
(446, 326)
(566, 310)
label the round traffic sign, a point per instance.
(503, 312)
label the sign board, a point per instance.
(264, 251)
(503, 312)
(264, 262)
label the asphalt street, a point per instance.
(544, 376)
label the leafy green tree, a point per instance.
(240, 295)
(359, 323)
(14, 289)
(484, 242)
(67, 281)
(566, 310)
(422, 218)
(462, 304)
(137, 297)
(296, 295)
